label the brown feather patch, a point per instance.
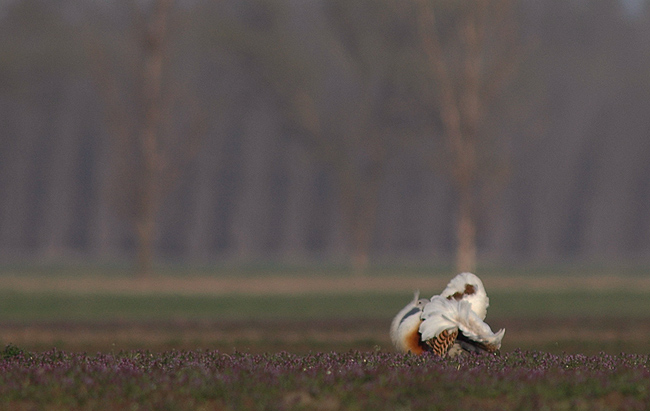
(441, 344)
(469, 290)
(456, 296)
(414, 343)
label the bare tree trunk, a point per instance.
(348, 207)
(61, 184)
(206, 196)
(335, 232)
(150, 135)
(145, 231)
(106, 232)
(433, 226)
(300, 197)
(361, 247)
(466, 232)
(15, 212)
(367, 223)
(465, 84)
(250, 224)
(360, 243)
(358, 202)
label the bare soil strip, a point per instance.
(230, 335)
(277, 285)
(304, 335)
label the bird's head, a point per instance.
(419, 302)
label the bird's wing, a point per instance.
(450, 315)
(473, 327)
(468, 287)
(409, 310)
(434, 321)
(404, 327)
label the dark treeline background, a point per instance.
(573, 124)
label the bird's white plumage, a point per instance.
(449, 314)
(434, 321)
(406, 322)
(461, 307)
(459, 287)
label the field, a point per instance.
(241, 339)
(354, 380)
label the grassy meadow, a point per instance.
(265, 308)
(273, 338)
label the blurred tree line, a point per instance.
(339, 130)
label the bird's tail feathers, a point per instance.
(443, 314)
(472, 326)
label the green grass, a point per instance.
(49, 306)
(38, 317)
(26, 306)
(570, 304)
